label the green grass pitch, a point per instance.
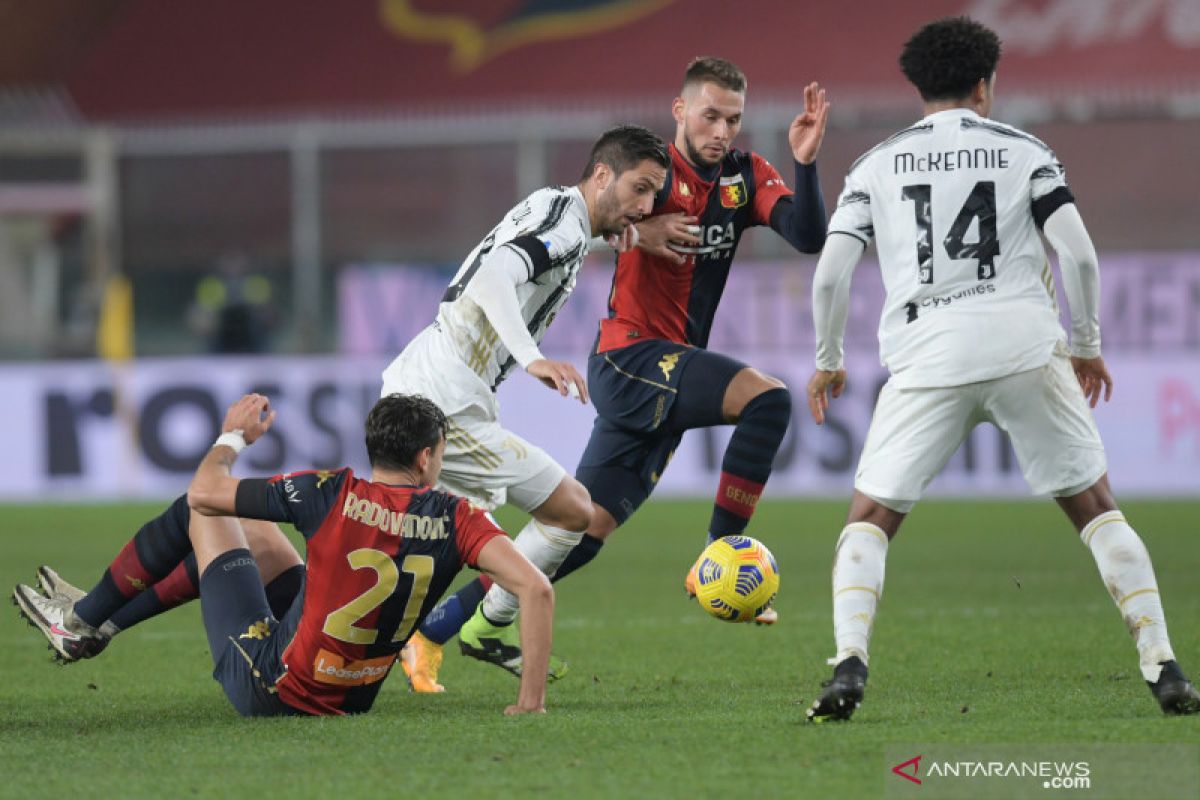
(994, 628)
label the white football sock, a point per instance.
(1128, 574)
(547, 547)
(858, 567)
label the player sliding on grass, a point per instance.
(492, 316)
(970, 333)
(650, 377)
(380, 554)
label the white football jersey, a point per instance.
(550, 230)
(954, 204)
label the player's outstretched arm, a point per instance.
(518, 575)
(213, 490)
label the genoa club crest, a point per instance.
(733, 191)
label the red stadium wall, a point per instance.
(223, 57)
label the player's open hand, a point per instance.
(823, 381)
(560, 375)
(665, 234)
(807, 130)
(1093, 377)
(252, 415)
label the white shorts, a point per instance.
(483, 462)
(914, 432)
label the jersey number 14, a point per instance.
(979, 205)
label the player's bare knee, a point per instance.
(578, 516)
(270, 547)
(569, 507)
(770, 382)
(603, 523)
(746, 387)
(1085, 506)
(864, 508)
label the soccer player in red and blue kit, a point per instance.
(650, 376)
(380, 554)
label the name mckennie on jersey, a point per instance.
(950, 160)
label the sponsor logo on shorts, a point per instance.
(238, 563)
(668, 364)
(332, 668)
(259, 630)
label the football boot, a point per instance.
(70, 638)
(1173, 691)
(842, 694)
(421, 660)
(499, 645)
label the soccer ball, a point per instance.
(736, 579)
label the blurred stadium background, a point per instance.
(331, 164)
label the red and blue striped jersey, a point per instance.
(655, 298)
(379, 558)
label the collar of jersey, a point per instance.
(693, 172)
(950, 113)
(581, 209)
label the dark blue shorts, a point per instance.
(246, 641)
(646, 395)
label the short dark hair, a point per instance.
(626, 146)
(400, 426)
(947, 58)
(715, 70)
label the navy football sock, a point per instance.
(283, 590)
(748, 458)
(152, 554)
(444, 621)
(580, 555)
(181, 586)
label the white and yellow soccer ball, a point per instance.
(736, 579)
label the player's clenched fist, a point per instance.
(252, 415)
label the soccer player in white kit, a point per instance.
(490, 321)
(970, 333)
